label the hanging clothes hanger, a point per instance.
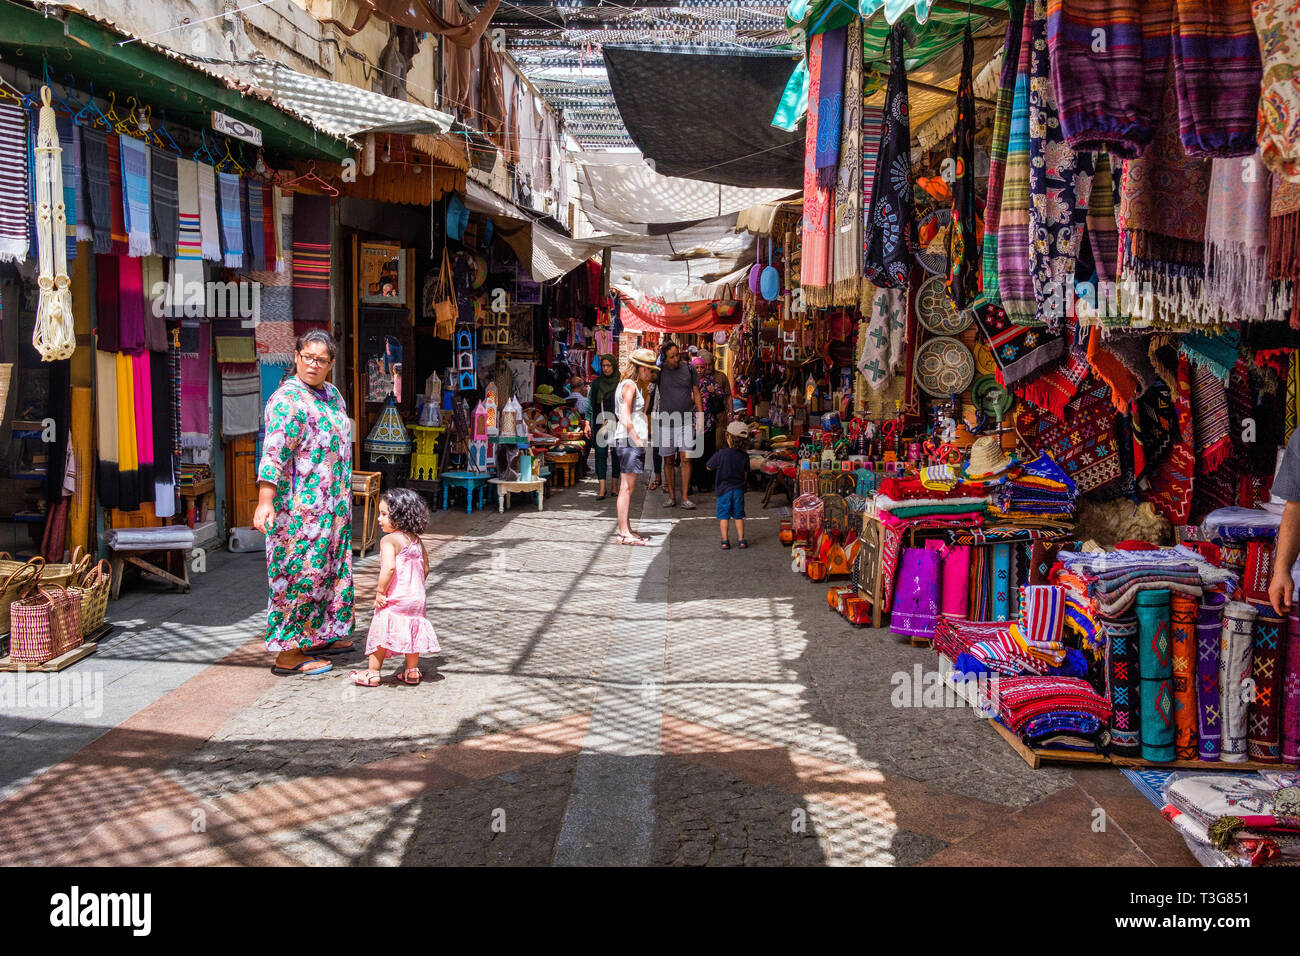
(161, 132)
(91, 111)
(228, 160)
(204, 154)
(115, 122)
(311, 177)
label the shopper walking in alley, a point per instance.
(305, 509)
(602, 428)
(401, 624)
(631, 436)
(715, 391)
(677, 416)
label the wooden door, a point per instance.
(241, 481)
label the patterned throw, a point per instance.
(830, 106)
(916, 603)
(1054, 389)
(998, 148)
(1082, 440)
(889, 236)
(1015, 280)
(232, 220)
(1182, 631)
(1060, 187)
(846, 258)
(1156, 673)
(95, 184)
(135, 186)
(1236, 240)
(1278, 30)
(1284, 240)
(15, 238)
(163, 202)
(1218, 70)
(1001, 582)
(888, 323)
(1018, 350)
(1291, 689)
(311, 262)
(814, 264)
(209, 219)
(1171, 481)
(1263, 716)
(956, 582)
(1209, 708)
(1234, 666)
(963, 243)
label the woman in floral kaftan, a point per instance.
(305, 509)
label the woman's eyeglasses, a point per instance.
(317, 361)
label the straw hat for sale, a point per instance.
(987, 457)
(645, 358)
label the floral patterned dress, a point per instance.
(307, 455)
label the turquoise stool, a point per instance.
(472, 481)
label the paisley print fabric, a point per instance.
(890, 234)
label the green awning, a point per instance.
(91, 51)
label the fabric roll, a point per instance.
(1182, 632)
(106, 412)
(95, 183)
(163, 201)
(998, 148)
(164, 479)
(311, 262)
(1156, 674)
(956, 582)
(1218, 70)
(209, 219)
(116, 204)
(1015, 281)
(830, 106)
(108, 304)
(889, 236)
(916, 598)
(231, 212)
(1121, 634)
(1001, 582)
(1291, 689)
(1234, 666)
(1263, 715)
(1209, 708)
(128, 467)
(135, 190)
(15, 237)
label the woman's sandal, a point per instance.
(365, 678)
(726, 546)
(405, 675)
(742, 543)
(308, 668)
(625, 539)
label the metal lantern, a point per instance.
(389, 438)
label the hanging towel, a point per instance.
(154, 274)
(1156, 674)
(1015, 280)
(131, 305)
(890, 235)
(232, 220)
(196, 410)
(164, 480)
(128, 461)
(873, 124)
(1218, 67)
(1263, 713)
(814, 264)
(106, 414)
(998, 148)
(1182, 631)
(71, 180)
(1236, 240)
(14, 187)
(84, 231)
(136, 188)
(1123, 683)
(846, 263)
(963, 248)
(96, 183)
(1209, 635)
(256, 245)
(1234, 667)
(1291, 689)
(163, 201)
(143, 395)
(209, 219)
(830, 106)
(1278, 30)
(311, 262)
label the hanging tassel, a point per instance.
(54, 337)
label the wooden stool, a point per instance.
(506, 488)
(778, 482)
(365, 492)
(474, 482)
(565, 467)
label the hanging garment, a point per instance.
(814, 265)
(998, 148)
(135, 190)
(890, 229)
(1278, 31)
(232, 220)
(117, 207)
(95, 182)
(830, 106)
(1015, 279)
(209, 218)
(963, 243)
(1234, 667)
(846, 262)
(54, 336)
(1218, 69)
(163, 201)
(311, 262)
(1156, 674)
(1236, 240)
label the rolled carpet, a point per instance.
(1234, 665)
(1156, 674)
(1209, 634)
(1182, 631)
(1291, 689)
(1263, 736)
(1122, 676)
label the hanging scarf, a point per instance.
(1162, 211)
(1055, 388)
(270, 212)
(1278, 31)
(282, 243)
(1218, 70)
(209, 221)
(604, 385)
(830, 106)
(14, 189)
(890, 235)
(963, 246)
(71, 177)
(127, 450)
(873, 125)
(106, 415)
(187, 270)
(82, 203)
(846, 263)
(257, 231)
(164, 479)
(132, 332)
(1104, 92)
(155, 288)
(1060, 184)
(143, 397)
(998, 149)
(1103, 233)
(107, 304)
(1236, 239)
(814, 267)
(117, 208)
(1284, 242)
(54, 336)
(311, 262)
(1018, 350)
(876, 356)
(135, 186)
(95, 179)
(1015, 281)
(246, 222)
(1171, 481)
(232, 220)
(163, 202)
(196, 412)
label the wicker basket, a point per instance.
(8, 565)
(93, 592)
(68, 574)
(16, 584)
(44, 626)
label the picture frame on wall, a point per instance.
(381, 273)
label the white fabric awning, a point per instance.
(343, 109)
(547, 253)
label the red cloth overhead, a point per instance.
(676, 317)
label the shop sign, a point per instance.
(236, 128)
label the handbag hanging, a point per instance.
(445, 310)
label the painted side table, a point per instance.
(474, 482)
(506, 488)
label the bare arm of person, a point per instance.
(625, 411)
(1288, 549)
(387, 568)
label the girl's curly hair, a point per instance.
(406, 510)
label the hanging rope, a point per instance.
(54, 337)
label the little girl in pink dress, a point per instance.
(400, 625)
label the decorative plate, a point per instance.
(944, 366)
(984, 361)
(935, 311)
(537, 419)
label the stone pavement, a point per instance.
(592, 704)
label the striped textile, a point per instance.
(136, 188)
(1015, 281)
(1018, 700)
(163, 202)
(1210, 420)
(815, 264)
(1209, 634)
(189, 236)
(1042, 612)
(1122, 683)
(15, 238)
(209, 222)
(998, 148)
(1103, 233)
(232, 220)
(846, 263)
(1218, 72)
(311, 261)
(94, 157)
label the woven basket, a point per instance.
(8, 565)
(93, 592)
(16, 584)
(44, 626)
(68, 574)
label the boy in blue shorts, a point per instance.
(729, 466)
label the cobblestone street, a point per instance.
(592, 704)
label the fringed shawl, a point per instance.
(814, 265)
(998, 149)
(1015, 282)
(890, 236)
(846, 261)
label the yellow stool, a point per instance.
(424, 460)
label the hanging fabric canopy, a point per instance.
(679, 318)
